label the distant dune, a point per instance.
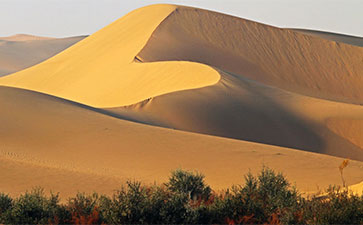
(22, 51)
(24, 37)
(223, 95)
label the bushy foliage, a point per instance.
(189, 183)
(186, 199)
(337, 207)
(34, 208)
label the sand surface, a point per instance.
(205, 91)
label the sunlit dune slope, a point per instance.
(43, 131)
(100, 71)
(352, 40)
(22, 51)
(19, 176)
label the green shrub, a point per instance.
(35, 208)
(6, 204)
(262, 199)
(189, 183)
(337, 207)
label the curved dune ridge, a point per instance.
(46, 135)
(100, 71)
(276, 91)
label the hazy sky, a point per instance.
(60, 18)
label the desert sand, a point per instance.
(22, 51)
(169, 87)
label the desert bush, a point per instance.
(337, 207)
(189, 183)
(84, 209)
(6, 203)
(261, 199)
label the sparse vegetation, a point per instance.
(187, 199)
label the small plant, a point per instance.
(341, 168)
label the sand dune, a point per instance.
(191, 70)
(22, 51)
(43, 131)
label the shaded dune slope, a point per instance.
(243, 109)
(22, 51)
(48, 136)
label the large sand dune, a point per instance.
(190, 70)
(22, 51)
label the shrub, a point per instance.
(6, 204)
(262, 199)
(337, 207)
(84, 209)
(189, 183)
(35, 208)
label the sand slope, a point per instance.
(22, 51)
(246, 110)
(41, 131)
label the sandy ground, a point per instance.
(164, 65)
(22, 51)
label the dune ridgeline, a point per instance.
(168, 87)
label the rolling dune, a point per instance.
(42, 131)
(264, 93)
(22, 51)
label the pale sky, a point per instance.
(62, 18)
